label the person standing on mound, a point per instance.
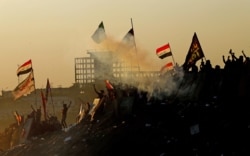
(64, 114)
(101, 95)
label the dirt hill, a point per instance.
(207, 116)
(106, 135)
(154, 129)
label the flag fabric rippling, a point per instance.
(195, 53)
(129, 39)
(164, 51)
(25, 87)
(99, 35)
(108, 85)
(167, 66)
(24, 68)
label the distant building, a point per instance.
(101, 65)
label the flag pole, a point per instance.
(172, 55)
(18, 78)
(134, 32)
(34, 84)
(52, 101)
(48, 89)
(135, 45)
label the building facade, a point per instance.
(102, 65)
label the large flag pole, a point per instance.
(135, 45)
(52, 101)
(48, 91)
(34, 84)
(133, 29)
(18, 79)
(44, 105)
(172, 56)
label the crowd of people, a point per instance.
(27, 127)
(214, 98)
(207, 113)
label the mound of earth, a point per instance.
(156, 129)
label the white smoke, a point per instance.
(168, 85)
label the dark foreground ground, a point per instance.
(156, 129)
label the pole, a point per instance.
(48, 89)
(135, 46)
(52, 102)
(172, 55)
(34, 85)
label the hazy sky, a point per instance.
(54, 32)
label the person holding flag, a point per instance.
(110, 90)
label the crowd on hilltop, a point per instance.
(217, 100)
(27, 127)
(213, 97)
(204, 109)
(229, 84)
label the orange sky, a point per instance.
(53, 33)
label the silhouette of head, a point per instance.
(241, 58)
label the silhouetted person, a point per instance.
(37, 114)
(194, 69)
(100, 93)
(101, 104)
(64, 114)
(202, 65)
(227, 63)
(208, 66)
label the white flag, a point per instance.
(129, 39)
(99, 35)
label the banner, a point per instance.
(25, 87)
(195, 53)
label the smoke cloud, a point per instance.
(166, 84)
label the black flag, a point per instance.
(195, 53)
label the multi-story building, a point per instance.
(101, 65)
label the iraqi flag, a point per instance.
(24, 68)
(167, 66)
(164, 51)
(108, 85)
(25, 87)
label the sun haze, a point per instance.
(53, 33)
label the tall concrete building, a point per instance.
(102, 65)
